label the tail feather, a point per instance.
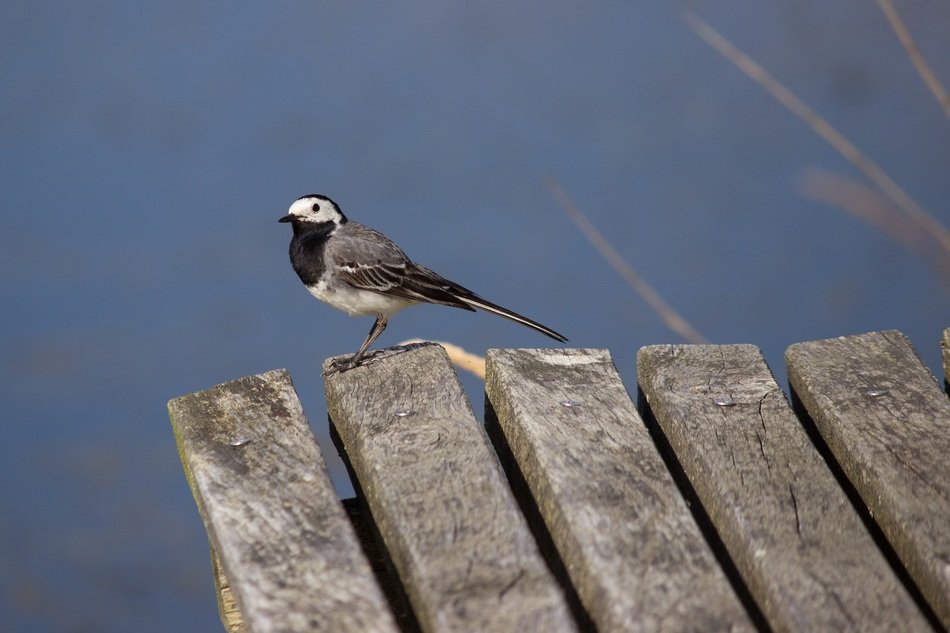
(477, 302)
(421, 283)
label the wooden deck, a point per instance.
(712, 503)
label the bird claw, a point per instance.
(340, 365)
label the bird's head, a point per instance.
(314, 209)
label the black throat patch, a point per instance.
(306, 249)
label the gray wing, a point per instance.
(368, 260)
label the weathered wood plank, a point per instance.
(790, 529)
(887, 423)
(440, 499)
(945, 349)
(228, 609)
(626, 536)
(285, 545)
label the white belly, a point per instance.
(357, 302)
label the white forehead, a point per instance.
(304, 209)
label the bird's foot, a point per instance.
(340, 365)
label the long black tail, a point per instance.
(423, 284)
(477, 302)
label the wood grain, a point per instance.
(887, 422)
(228, 609)
(624, 533)
(438, 495)
(282, 539)
(790, 529)
(945, 351)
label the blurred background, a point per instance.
(148, 149)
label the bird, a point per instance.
(360, 271)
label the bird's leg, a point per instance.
(378, 326)
(344, 365)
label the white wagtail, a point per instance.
(360, 271)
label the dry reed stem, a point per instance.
(821, 127)
(670, 317)
(462, 359)
(866, 204)
(923, 68)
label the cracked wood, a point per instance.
(624, 533)
(438, 495)
(887, 422)
(284, 544)
(792, 533)
(945, 351)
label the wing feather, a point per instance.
(368, 260)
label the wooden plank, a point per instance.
(945, 349)
(228, 609)
(887, 422)
(789, 527)
(438, 495)
(623, 531)
(282, 539)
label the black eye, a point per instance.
(315, 207)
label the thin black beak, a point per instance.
(286, 218)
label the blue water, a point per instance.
(147, 150)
